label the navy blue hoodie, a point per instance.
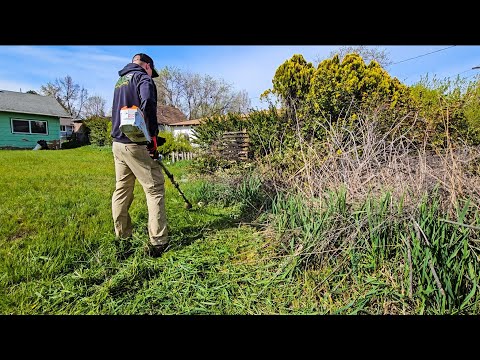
(134, 87)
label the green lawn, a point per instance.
(57, 251)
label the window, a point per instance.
(29, 127)
(38, 127)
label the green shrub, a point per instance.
(178, 143)
(98, 130)
(449, 109)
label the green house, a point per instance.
(28, 118)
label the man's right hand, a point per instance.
(153, 154)
(152, 148)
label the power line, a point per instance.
(464, 71)
(471, 76)
(424, 55)
(473, 68)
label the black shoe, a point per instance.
(156, 250)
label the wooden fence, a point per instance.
(233, 145)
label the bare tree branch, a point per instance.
(368, 54)
(69, 94)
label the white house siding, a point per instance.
(186, 130)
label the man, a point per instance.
(135, 87)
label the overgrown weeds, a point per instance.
(394, 223)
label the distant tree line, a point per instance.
(194, 94)
(199, 96)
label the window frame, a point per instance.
(29, 126)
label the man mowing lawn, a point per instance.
(134, 160)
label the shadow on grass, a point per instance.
(184, 236)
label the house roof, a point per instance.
(66, 121)
(26, 103)
(167, 115)
(186, 123)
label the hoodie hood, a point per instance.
(131, 67)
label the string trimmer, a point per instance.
(156, 156)
(188, 205)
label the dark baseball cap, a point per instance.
(147, 59)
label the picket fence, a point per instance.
(177, 156)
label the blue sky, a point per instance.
(245, 67)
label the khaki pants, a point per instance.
(132, 162)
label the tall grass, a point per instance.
(244, 191)
(421, 260)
